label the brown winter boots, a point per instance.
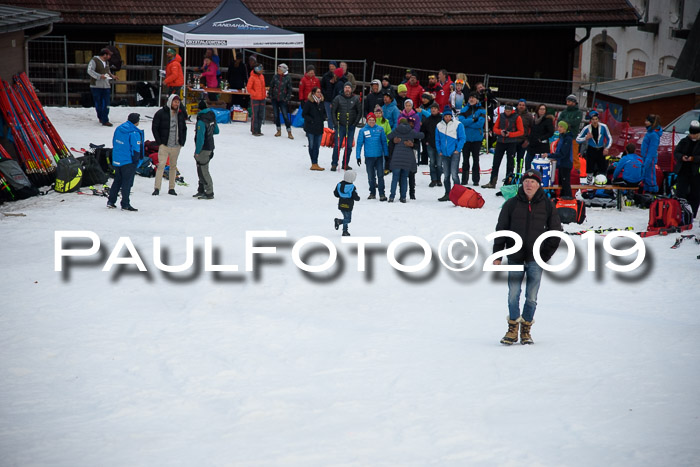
(511, 336)
(279, 132)
(316, 167)
(525, 337)
(289, 134)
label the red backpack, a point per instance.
(666, 213)
(466, 197)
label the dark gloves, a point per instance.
(359, 162)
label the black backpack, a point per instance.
(18, 185)
(104, 158)
(92, 172)
(69, 174)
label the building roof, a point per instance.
(646, 88)
(14, 18)
(365, 14)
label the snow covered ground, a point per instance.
(343, 368)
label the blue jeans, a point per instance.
(123, 180)
(450, 167)
(397, 174)
(328, 115)
(314, 145)
(532, 286)
(434, 162)
(375, 171)
(339, 135)
(281, 106)
(347, 218)
(101, 97)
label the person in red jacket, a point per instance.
(258, 94)
(414, 90)
(508, 127)
(307, 83)
(174, 79)
(442, 97)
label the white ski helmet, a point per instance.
(600, 179)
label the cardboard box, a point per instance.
(239, 116)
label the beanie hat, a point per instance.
(522, 100)
(350, 176)
(427, 95)
(310, 68)
(533, 174)
(376, 81)
(370, 115)
(388, 94)
(592, 114)
(171, 51)
(134, 118)
(402, 87)
(435, 105)
(283, 67)
(694, 127)
(474, 94)
(564, 124)
(348, 84)
(385, 77)
(403, 120)
(508, 107)
(202, 104)
(379, 108)
(339, 72)
(409, 71)
(572, 97)
(447, 111)
(407, 101)
(334, 63)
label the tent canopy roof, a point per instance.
(230, 25)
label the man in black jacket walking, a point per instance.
(529, 214)
(170, 133)
(346, 112)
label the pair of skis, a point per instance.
(104, 191)
(601, 230)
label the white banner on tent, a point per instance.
(241, 40)
(233, 41)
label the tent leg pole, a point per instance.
(275, 70)
(160, 81)
(184, 66)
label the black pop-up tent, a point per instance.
(230, 25)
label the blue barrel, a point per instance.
(545, 168)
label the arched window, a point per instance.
(603, 57)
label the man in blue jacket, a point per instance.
(473, 118)
(449, 140)
(127, 149)
(373, 138)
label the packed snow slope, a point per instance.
(279, 367)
